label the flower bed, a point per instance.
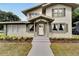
(13, 38)
(64, 40)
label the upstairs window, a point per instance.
(33, 14)
(58, 12)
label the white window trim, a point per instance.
(60, 31)
(58, 12)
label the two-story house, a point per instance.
(48, 19)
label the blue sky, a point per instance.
(16, 8)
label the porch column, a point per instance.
(48, 29)
(34, 28)
(5, 29)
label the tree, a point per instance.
(75, 19)
(8, 16)
(75, 16)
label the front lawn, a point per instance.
(65, 49)
(14, 49)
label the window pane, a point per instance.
(60, 14)
(33, 14)
(55, 10)
(61, 10)
(55, 15)
(30, 27)
(61, 27)
(54, 27)
(1, 27)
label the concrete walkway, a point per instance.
(40, 47)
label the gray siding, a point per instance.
(67, 19)
(18, 30)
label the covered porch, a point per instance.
(41, 25)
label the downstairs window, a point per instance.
(59, 27)
(30, 28)
(1, 27)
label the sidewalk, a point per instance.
(40, 47)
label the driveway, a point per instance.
(40, 47)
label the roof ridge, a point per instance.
(74, 5)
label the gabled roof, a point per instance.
(49, 19)
(73, 5)
(30, 9)
(45, 5)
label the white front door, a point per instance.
(41, 29)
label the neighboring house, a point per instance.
(48, 19)
(75, 29)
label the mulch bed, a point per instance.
(27, 40)
(64, 40)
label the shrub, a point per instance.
(29, 39)
(2, 36)
(24, 39)
(75, 36)
(13, 37)
(7, 37)
(20, 38)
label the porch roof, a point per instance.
(49, 19)
(15, 22)
(76, 22)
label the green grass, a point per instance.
(14, 49)
(65, 49)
